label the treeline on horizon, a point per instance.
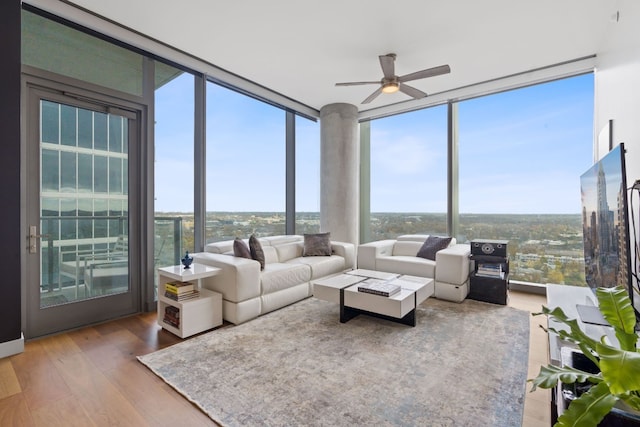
(405, 214)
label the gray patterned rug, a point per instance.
(463, 365)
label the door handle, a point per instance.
(33, 236)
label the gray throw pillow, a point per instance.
(432, 245)
(256, 250)
(317, 244)
(240, 248)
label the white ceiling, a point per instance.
(300, 49)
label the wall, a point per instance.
(10, 314)
(617, 84)
(617, 93)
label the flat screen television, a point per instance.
(605, 226)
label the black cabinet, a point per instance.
(489, 280)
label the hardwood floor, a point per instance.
(537, 405)
(91, 377)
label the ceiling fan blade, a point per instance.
(357, 83)
(412, 91)
(373, 96)
(388, 66)
(429, 72)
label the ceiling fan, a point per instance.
(391, 83)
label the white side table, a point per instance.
(197, 314)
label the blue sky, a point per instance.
(520, 151)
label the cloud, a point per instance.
(408, 155)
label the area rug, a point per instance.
(463, 365)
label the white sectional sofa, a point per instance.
(450, 268)
(248, 292)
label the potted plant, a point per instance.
(619, 366)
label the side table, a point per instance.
(197, 314)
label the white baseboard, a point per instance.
(10, 348)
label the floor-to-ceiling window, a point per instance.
(307, 176)
(173, 164)
(245, 166)
(516, 176)
(408, 174)
(521, 154)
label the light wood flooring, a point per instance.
(91, 377)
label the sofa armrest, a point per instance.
(346, 251)
(368, 252)
(238, 280)
(452, 264)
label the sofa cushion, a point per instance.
(413, 238)
(419, 238)
(406, 248)
(274, 300)
(238, 279)
(219, 247)
(280, 240)
(241, 249)
(410, 265)
(289, 251)
(318, 244)
(256, 250)
(277, 276)
(270, 254)
(432, 245)
(321, 265)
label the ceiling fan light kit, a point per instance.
(391, 87)
(391, 83)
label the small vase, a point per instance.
(187, 260)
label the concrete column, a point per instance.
(339, 172)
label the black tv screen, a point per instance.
(605, 223)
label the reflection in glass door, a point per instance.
(83, 199)
(78, 210)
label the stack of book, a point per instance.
(490, 270)
(180, 291)
(378, 287)
(172, 316)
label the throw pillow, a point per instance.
(432, 245)
(256, 250)
(240, 248)
(317, 244)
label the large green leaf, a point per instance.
(574, 334)
(615, 306)
(620, 369)
(632, 399)
(585, 345)
(574, 329)
(550, 375)
(589, 409)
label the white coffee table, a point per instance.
(401, 307)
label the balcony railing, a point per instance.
(75, 239)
